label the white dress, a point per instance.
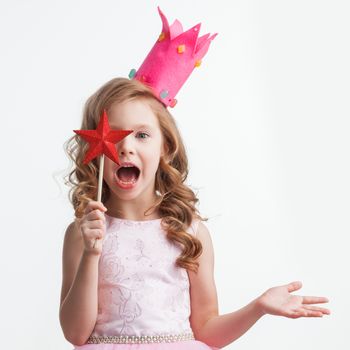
(143, 297)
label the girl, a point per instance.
(148, 281)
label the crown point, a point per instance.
(173, 103)
(132, 73)
(161, 36)
(181, 48)
(198, 63)
(164, 93)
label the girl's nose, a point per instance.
(125, 146)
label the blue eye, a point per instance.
(142, 133)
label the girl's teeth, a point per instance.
(128, 182)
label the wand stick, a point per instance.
(100, 179)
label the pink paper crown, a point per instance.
(172, 60)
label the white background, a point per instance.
(266, 124)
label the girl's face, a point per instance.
(143, 147)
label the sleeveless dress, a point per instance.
(143, 297)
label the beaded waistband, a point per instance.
(123, 339)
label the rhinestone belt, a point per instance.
(122, 339)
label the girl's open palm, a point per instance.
(278, 301)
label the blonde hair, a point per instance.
(177, 201)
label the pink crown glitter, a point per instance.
(172, 59)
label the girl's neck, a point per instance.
(131, 210)
(151, 216)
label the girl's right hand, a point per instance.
(93, 227)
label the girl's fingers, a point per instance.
(97, 224)
(95, 233)
(316, 308)
(310, 313)
(314, 300)
(92, 205)
(296, 314)
(306, 313)
(95, 214)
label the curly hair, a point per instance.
(176, 203)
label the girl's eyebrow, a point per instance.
(137, 126)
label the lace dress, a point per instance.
(143, 297)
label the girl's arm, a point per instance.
(79, 299)
(207, 325)
(220, 330)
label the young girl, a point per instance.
(148, 281)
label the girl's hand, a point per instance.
(93, 227)
(278, 301)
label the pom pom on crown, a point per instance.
(172, 59)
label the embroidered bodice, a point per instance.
(140, 289)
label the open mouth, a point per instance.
(128, 175)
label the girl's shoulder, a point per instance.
(193, 228)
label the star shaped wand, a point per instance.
(102, 142)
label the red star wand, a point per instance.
(102, 142)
